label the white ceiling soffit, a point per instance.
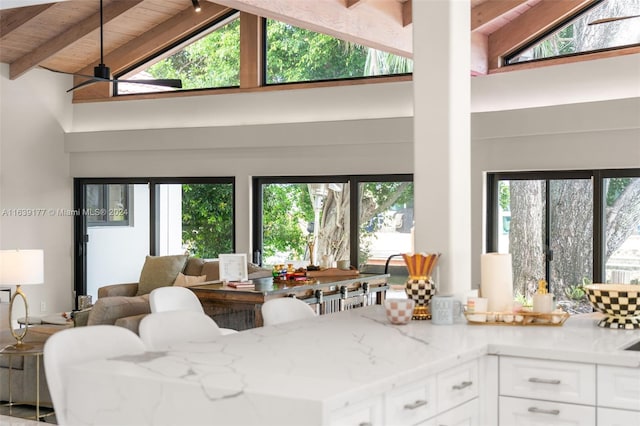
(10, 4)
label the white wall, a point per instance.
(359, 129)
(34, 174)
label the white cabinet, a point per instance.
(525, 412)
(411, 404)
(457, 385)
(548, 380)
(366, 413)
(451, 395)
(616, 417)
(619, 387)
(464, 415)
(543, 392)
(618, 396)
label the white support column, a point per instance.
(442, 98)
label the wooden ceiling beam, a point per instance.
(12, 20)
(407, 13)
(352, 3)
(486, 12)
(50, 48)
(530, 25)
(150, 43)
(250, 50)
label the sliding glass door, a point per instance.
(569, 228)
(121, 221)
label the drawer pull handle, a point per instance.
(414, 405)
(545, 381)
(462, 385)
(365, 424)
(537, 410)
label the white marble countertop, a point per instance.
(314, 366)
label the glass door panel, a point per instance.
(622, 230)
(305, 223)
(521, 232)
(385, 226)
(117, 233)
(195, 218)
(570, 240)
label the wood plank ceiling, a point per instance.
(64, 35)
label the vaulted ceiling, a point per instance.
(64, 34)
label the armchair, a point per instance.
(126, 304)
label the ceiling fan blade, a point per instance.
(84, 83)
(612, 19)
(67, 73)
(175, 83)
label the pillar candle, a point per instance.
(496, 282)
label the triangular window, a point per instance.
(210, 59)
(609, 24)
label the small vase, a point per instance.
(420, 291)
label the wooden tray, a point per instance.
(333, 272)
(528, 318)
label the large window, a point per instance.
(210, 59)
(570, 228)
(319, 220)
(169, 216)
(609, 24)
(295, 55)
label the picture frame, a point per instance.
(233, 267)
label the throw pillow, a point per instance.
(160, 271)
(183, 280)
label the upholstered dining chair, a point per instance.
(162, 330)
(285, 309)
(174, 299)
(165, 299)
(77, 345)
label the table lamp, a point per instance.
(21, 267)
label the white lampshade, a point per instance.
(21, 267)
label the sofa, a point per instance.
(127, 303)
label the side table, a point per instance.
(35, 349)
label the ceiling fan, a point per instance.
(612, 19)
(102, 73)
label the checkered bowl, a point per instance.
(399, 311)
(619, 302)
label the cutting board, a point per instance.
(333, 272)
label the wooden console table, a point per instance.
(240, 309)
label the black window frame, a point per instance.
(599, 204)
(80, 221)
(353, 181)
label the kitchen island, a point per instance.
(351, 367)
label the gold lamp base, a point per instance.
(20, 345)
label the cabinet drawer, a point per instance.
(613, 417)
(619, 387)
(457, 385)
(412, 403)
(525, 412)
(548, 380)
(367, 413)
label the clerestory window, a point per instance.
(210, 59)
(608, 24)
(296, 55)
